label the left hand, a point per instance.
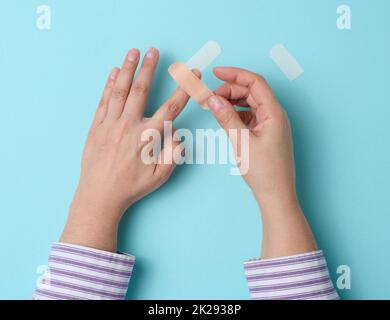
(113, 175)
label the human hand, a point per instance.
(270, 172)
(113, 175)
(271, 165)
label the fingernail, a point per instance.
(152, 52)
(215, 103)
(114, 74)
(132, 56)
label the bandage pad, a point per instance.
(190, 83)
(286, 62)
(205, 56)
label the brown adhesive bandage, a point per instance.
(190, 83)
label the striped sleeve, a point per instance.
(80, 273)
(298, 277)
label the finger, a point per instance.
(231, 91)
(225, 113)
(229, 120)
(258, 87)
(236, 94)
(101, 111)
(170, 110)
(122, 85)
(136, 102)
(167, 161)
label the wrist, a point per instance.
(92, 224)
(92, 234)
(100, 212)
(285, 229)
(281, 203)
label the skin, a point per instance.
(271, 174)
(113, 176)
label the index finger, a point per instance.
(256, 84)
(171, 109)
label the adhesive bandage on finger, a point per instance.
(205, 56)
(190, 83)
(286, 62)
(182, 74)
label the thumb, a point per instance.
(225, 113)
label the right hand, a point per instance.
(271, 174)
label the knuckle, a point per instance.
(163, 176)
(102, 103)
(260, 78)
(146, 143)
(97, 138)
(140, 146)
(129, 65)
(281, 115)
(110, 84)
(173, 107)
(119, 94)
(139, 89)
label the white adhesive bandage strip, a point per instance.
(190, 83)
(205, 56)
(286, 62)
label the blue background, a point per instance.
(191, 236)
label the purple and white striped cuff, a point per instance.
(298, 277)
(80, 273)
